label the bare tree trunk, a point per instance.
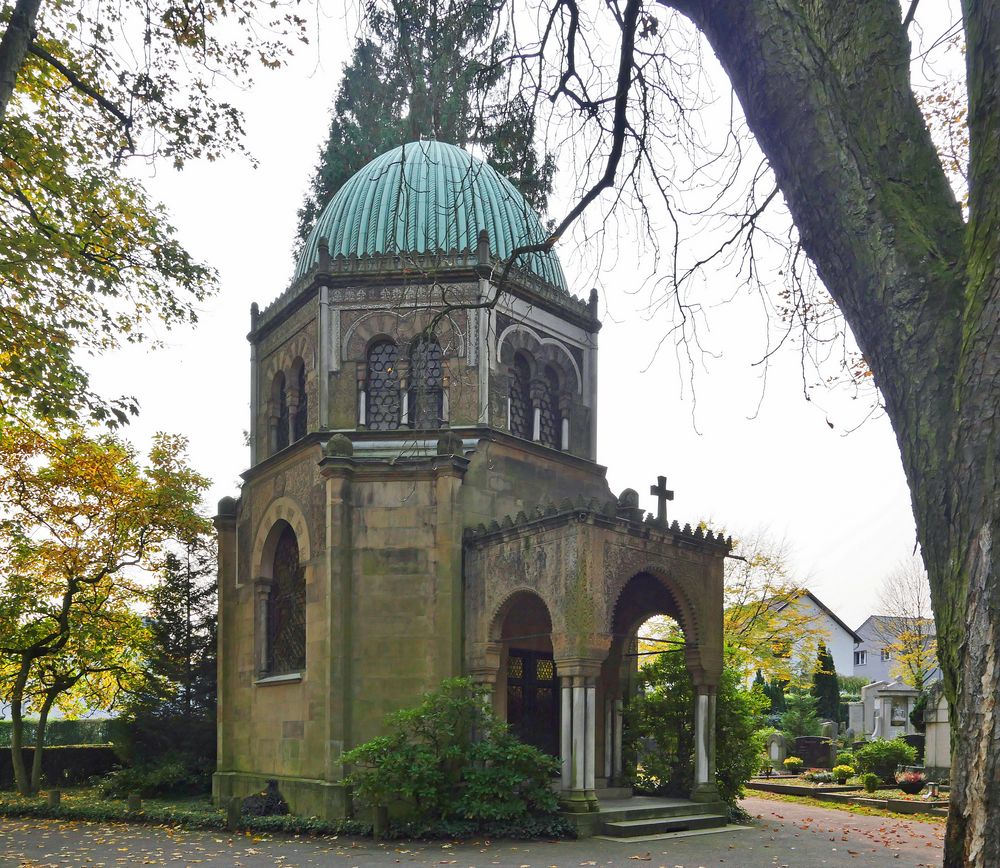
(14, 48)
(825, 88)
(36, 760)
(21, 780)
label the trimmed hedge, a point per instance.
(63, 764)
(103, 730)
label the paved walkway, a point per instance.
(787, 835)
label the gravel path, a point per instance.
(786, 835)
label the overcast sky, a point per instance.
(838, 498)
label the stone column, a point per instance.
(704, 789)
(362, 397)
(564, 423)
(262, 593)
(579, 742)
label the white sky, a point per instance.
(840, 500)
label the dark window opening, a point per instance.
(521, 416)
(383, 387)
(286, 609)
(302, 408)
(549, 432)
(426, 378)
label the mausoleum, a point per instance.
(424, 500)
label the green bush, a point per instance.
(871, 782)
(450, 760)
(63, 764)
(846, 758)
(168, 775)
(881, 757)
(842, 772)
(793, 764)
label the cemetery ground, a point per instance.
(785, 833)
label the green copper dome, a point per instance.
(429, 197)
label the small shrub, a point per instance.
(911, 783)
(794, 764)
(846, 758)
(841, 773)
(870, 782)
(882, 757)
(819, 777)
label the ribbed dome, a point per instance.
(429, 197)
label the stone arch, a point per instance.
(504, 607)
(401, 328)
(299, 346)
(542, 350)
(281, 511)
(686, 616)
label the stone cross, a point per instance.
(662, 495)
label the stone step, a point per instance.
(661, 825)
(605, 793)
(634, 809)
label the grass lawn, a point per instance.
(854, 809)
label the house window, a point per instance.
(286, 609)
(521, 415)
(426, 377)
(886, 655)
(383, 387)
(860, 658)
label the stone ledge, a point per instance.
(286, 678)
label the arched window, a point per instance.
(549, 432)
(383, 387)
(286, 608)
(426, 377)
(302, 408)
(521, 416)
(279, 411)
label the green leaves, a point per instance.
(449, 759)
(86, 260)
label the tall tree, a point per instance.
(825, 686)
(171, 714)
(428, 68)
(87, 261)
(764, 624)
(905, 625)
(825, 89)
(82, 515)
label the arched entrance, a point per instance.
(527, 689)
(644, 597)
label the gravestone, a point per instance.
(776, 750)
(916, 741)
(814, 751)
(828, 729)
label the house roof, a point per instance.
(827, 610)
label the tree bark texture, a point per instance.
(14, 47)
(825, 88)
(21, 780)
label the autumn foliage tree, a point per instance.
(83, 518)
(87, 260)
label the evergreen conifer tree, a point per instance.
(172, 719)
(427, 68)
(825, 686)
